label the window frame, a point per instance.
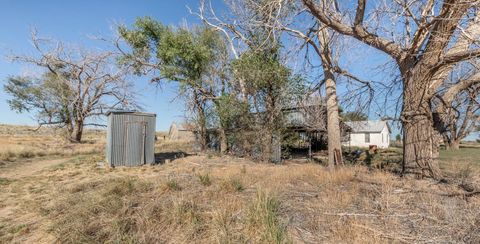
(367, 137)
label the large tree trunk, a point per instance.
(420, 152)
(201, 122)
(77, 133)
(454, 145)
(420, 143)
(203, 137)
(223, 140)
(333, 124)
(333, 121)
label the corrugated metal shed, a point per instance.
(130, 138)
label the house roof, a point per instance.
(181, 126)
(367, 126)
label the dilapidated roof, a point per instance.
(367, 126)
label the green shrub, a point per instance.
(233, 184)
(173, 185)
(205, 179)
(5, 181)
(186, 212)
(264, 218)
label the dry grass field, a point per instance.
(65, 197)
(21, 143)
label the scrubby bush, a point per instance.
(264, 218)
(26, 154)
(233, 185)
(7, 156)
(173, 185)
(205, 179)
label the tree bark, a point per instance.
(333, 124)
(201, 123)
(418, 63)
(420, 154)
(333, 120)
(454, 145)
(203, 137)
(223, 140)
(77, 133)
(420, 142)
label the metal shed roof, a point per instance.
(130, 112)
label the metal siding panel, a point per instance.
(126, 147)
(126, 139)
(119, 139)
(150, 140)
(134, 143)
(109, 141)
(117, 147)
(114, 147)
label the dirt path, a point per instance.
(30, 168)
(20, 224)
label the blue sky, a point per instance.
(74, 22)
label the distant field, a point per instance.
(463, 155)
(462, 161)
(20, 143)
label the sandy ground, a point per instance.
(350, 205)
(30, 168)
(12, 215)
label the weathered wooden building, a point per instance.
(181, 132)
(304, 133)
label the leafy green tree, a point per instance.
(353, 116)
(270, 85)
(197, 59)
(398, 137)
(194, 58)
(48, 97)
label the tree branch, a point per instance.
(359, 32)
(461, 56)
(359, 15)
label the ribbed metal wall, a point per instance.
(130, 138)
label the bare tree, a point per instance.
(293, 20)
(259, 75)
(432, 37)
(76, 86)
(456, 113)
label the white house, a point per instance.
(366, 133)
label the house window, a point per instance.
(367, 137)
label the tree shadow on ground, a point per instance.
(161, 158)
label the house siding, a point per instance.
(358, 139)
